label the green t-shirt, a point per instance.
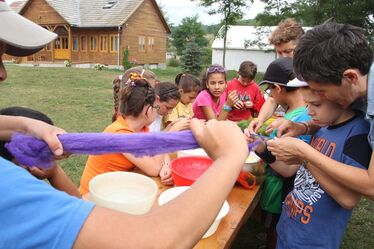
(273, 186)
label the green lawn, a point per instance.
(81, 100)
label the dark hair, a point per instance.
(248, 70)
(286, 31)
(327, 50)
(23, 112)
(120, 81)
(134, 96)
(167, 91)
(187, 82)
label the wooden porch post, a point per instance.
(68, 28)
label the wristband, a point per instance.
(306, 125)
(227, 108)
(266, 156)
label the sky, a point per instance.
(176, 10)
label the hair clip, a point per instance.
(135, 76)
(131, 83)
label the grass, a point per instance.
(80, 100)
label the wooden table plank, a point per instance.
(242, 202)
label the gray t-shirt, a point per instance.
(370, 105)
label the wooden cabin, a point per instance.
(99, 31)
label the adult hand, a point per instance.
(286, 128)
(220, 139)
(287, 149)
(46, 132)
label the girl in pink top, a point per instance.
(213, 102)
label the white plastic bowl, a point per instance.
(252, 160)
(194, 152)
(124, 191)
(171, 193)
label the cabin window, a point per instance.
(93, 43)
(151, 43)
(103, 43)
(113, 48)
(75, 43)
(84, 43)
(141, 43)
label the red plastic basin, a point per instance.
(186, 170)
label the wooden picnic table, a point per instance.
(242, 202)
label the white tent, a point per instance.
(245, 43)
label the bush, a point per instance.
(68, 63)
(99, 67)
(172, 62)
(126, 62)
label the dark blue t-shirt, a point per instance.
(310, 217)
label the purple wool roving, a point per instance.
(31, 151)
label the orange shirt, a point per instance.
(99, 164)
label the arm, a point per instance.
(179, 125)
(150, 165)
(284, 169)
(191, 213)
(232, 100)
(258, 102)
(280, 167)
(346, 197)
(57, 178)
(286, 128)
(356, 179)
(36, 128)
(265, 113)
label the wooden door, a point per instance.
(61, 45)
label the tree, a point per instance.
(192, 58)
(189, 30)
(232, 12)
(314, 12)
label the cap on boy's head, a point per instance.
(280, 72)
(22, 36)
(297, 83)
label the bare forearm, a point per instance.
(10, 124)
(356, 179)
(284, 169)
(62, 182)
(346, 197)
(172, 221)
(267, 109)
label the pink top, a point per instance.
(205, 99)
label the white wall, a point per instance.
(235, 57)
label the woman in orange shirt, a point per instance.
(137, 110)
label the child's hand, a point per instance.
(232, 98)
(248, 104)
(42, 174)
(180, 124)
(239, 105)
(165, 174)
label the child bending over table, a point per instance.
(137, 110)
